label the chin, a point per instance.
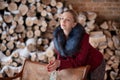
(62, 27)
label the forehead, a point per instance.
(67, 14)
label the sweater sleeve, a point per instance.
(80, 58)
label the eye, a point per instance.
(61, 18)
(67, 19)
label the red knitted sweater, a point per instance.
(87, 55)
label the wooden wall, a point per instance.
(106, 9)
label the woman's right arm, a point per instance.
(80, 58)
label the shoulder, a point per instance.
(86, 36)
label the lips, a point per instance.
(63, 25)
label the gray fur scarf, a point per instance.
(70, 46)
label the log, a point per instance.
(90, 25)
(49, 52)
(1, 19)
(3, 5)
(11, 31)
(110, 43)
(17, 0)
(91, 15)
(21, 21)
(59, 5)
(8, 53)
(104, 25)
(20, 45)
(96, 38)
(36, 27)
(39, 41)
(107, 33)
(39, 7)
(43, 28)
(109, 52)
(23, 1)
(16, 18)
(33, 56)
(53, 3)
(48, 9)
(23, 9)
(82, 19)
(19, 28)
(43, 13)
(37, 33)
(30, 34)
(32, 7)
(42, 57)
(15, 54)
(31, 13)
(113, 75)
(31, 44)
(12, 6)
(53, 10)
(5, 61)
(8, 18)
(36, 21)
(31, 47)
(4, 41)
(52, 23)
(15, 37)
(31, 1)
(10, 45)
(46, 2)
(8, 38)
(29, 21)
(116, 42)
(48, 35)
(3, 47)
(14, 64)
(107, 56)
(45, 41)
(102, 45)
(117, 53)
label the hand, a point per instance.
(53, 65)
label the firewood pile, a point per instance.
(26, 28)
(105, 37)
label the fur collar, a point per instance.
(70, 46)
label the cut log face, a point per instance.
(30, 34)
(29, 21)
(46, 2)
(91, 15)
(10, 45)
(12, 6)
(8, 18)
(23, 9)
(19, 28)
(3, 5)
(104, 25)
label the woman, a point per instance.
(73, 48)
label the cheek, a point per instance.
(71, 24)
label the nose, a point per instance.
(63, 21)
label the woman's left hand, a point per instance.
(53, 65)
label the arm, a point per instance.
(80, 58)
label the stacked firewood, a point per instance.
(105, 37)
(26, 28)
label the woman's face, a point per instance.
(66, 21)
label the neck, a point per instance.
(66, 33)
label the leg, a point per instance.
(99, 72)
